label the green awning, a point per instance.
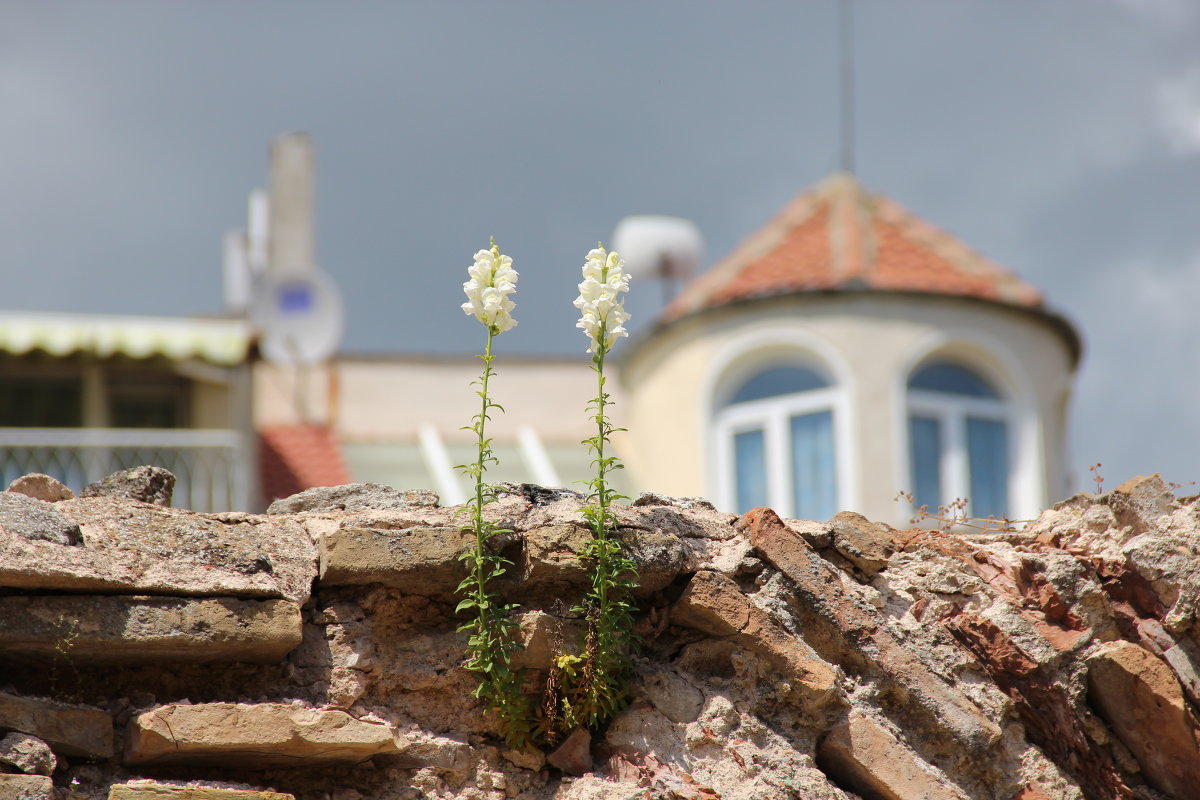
(218, 341)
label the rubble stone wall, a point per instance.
(150, 653)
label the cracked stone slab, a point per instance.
(133, 629)
(137, 548)
(254, 736)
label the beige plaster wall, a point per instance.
(871, 340)
(388, 399)
(212, 406)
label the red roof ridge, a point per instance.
(838, 235)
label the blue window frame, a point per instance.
(958, 434)
(776, 433)
(751, 468)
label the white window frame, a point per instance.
(772, 416)
(951, 412)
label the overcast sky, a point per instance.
(1061, 139)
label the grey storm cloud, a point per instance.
(1062, 140)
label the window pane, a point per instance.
(47, 402)
(925, 435)
(144, 399)
(951, 379)
(814, 468)
(751, 465)
(146, 411)
(987, 452)
(778, 381)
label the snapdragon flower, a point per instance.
(599, 301)
(492, 280)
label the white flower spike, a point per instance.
(492, 280)
(599, 301)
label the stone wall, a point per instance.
(312, 652)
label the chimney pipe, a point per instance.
(291, 240)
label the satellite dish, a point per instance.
(667, 248)
(299, 315)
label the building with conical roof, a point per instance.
(843, 353)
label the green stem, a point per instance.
(601, 484)
(481, 452)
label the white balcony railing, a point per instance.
(211, 467)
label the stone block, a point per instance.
(422, 561)
(673, 695)
(132, 629)
(819, 587)
(816, 533)
(713, 604)
(28, 754)
(815, 681)
(354, 497)
(574, 755)
(659, 556)
(864, 756)
(70, 730)
(41, 487)
(865, 544)
(161, 791)
(539, 632)
(1147, 497)
(36, 520)
(147, 484)
(255, 736)
(1184, 659)
(550, 556)
(1139, 697)
(138, 548)
(26, 787)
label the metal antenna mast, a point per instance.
(847, 84)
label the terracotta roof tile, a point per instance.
(839, 236)
(293, 458)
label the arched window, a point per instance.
(776, 437)
(958, 440)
